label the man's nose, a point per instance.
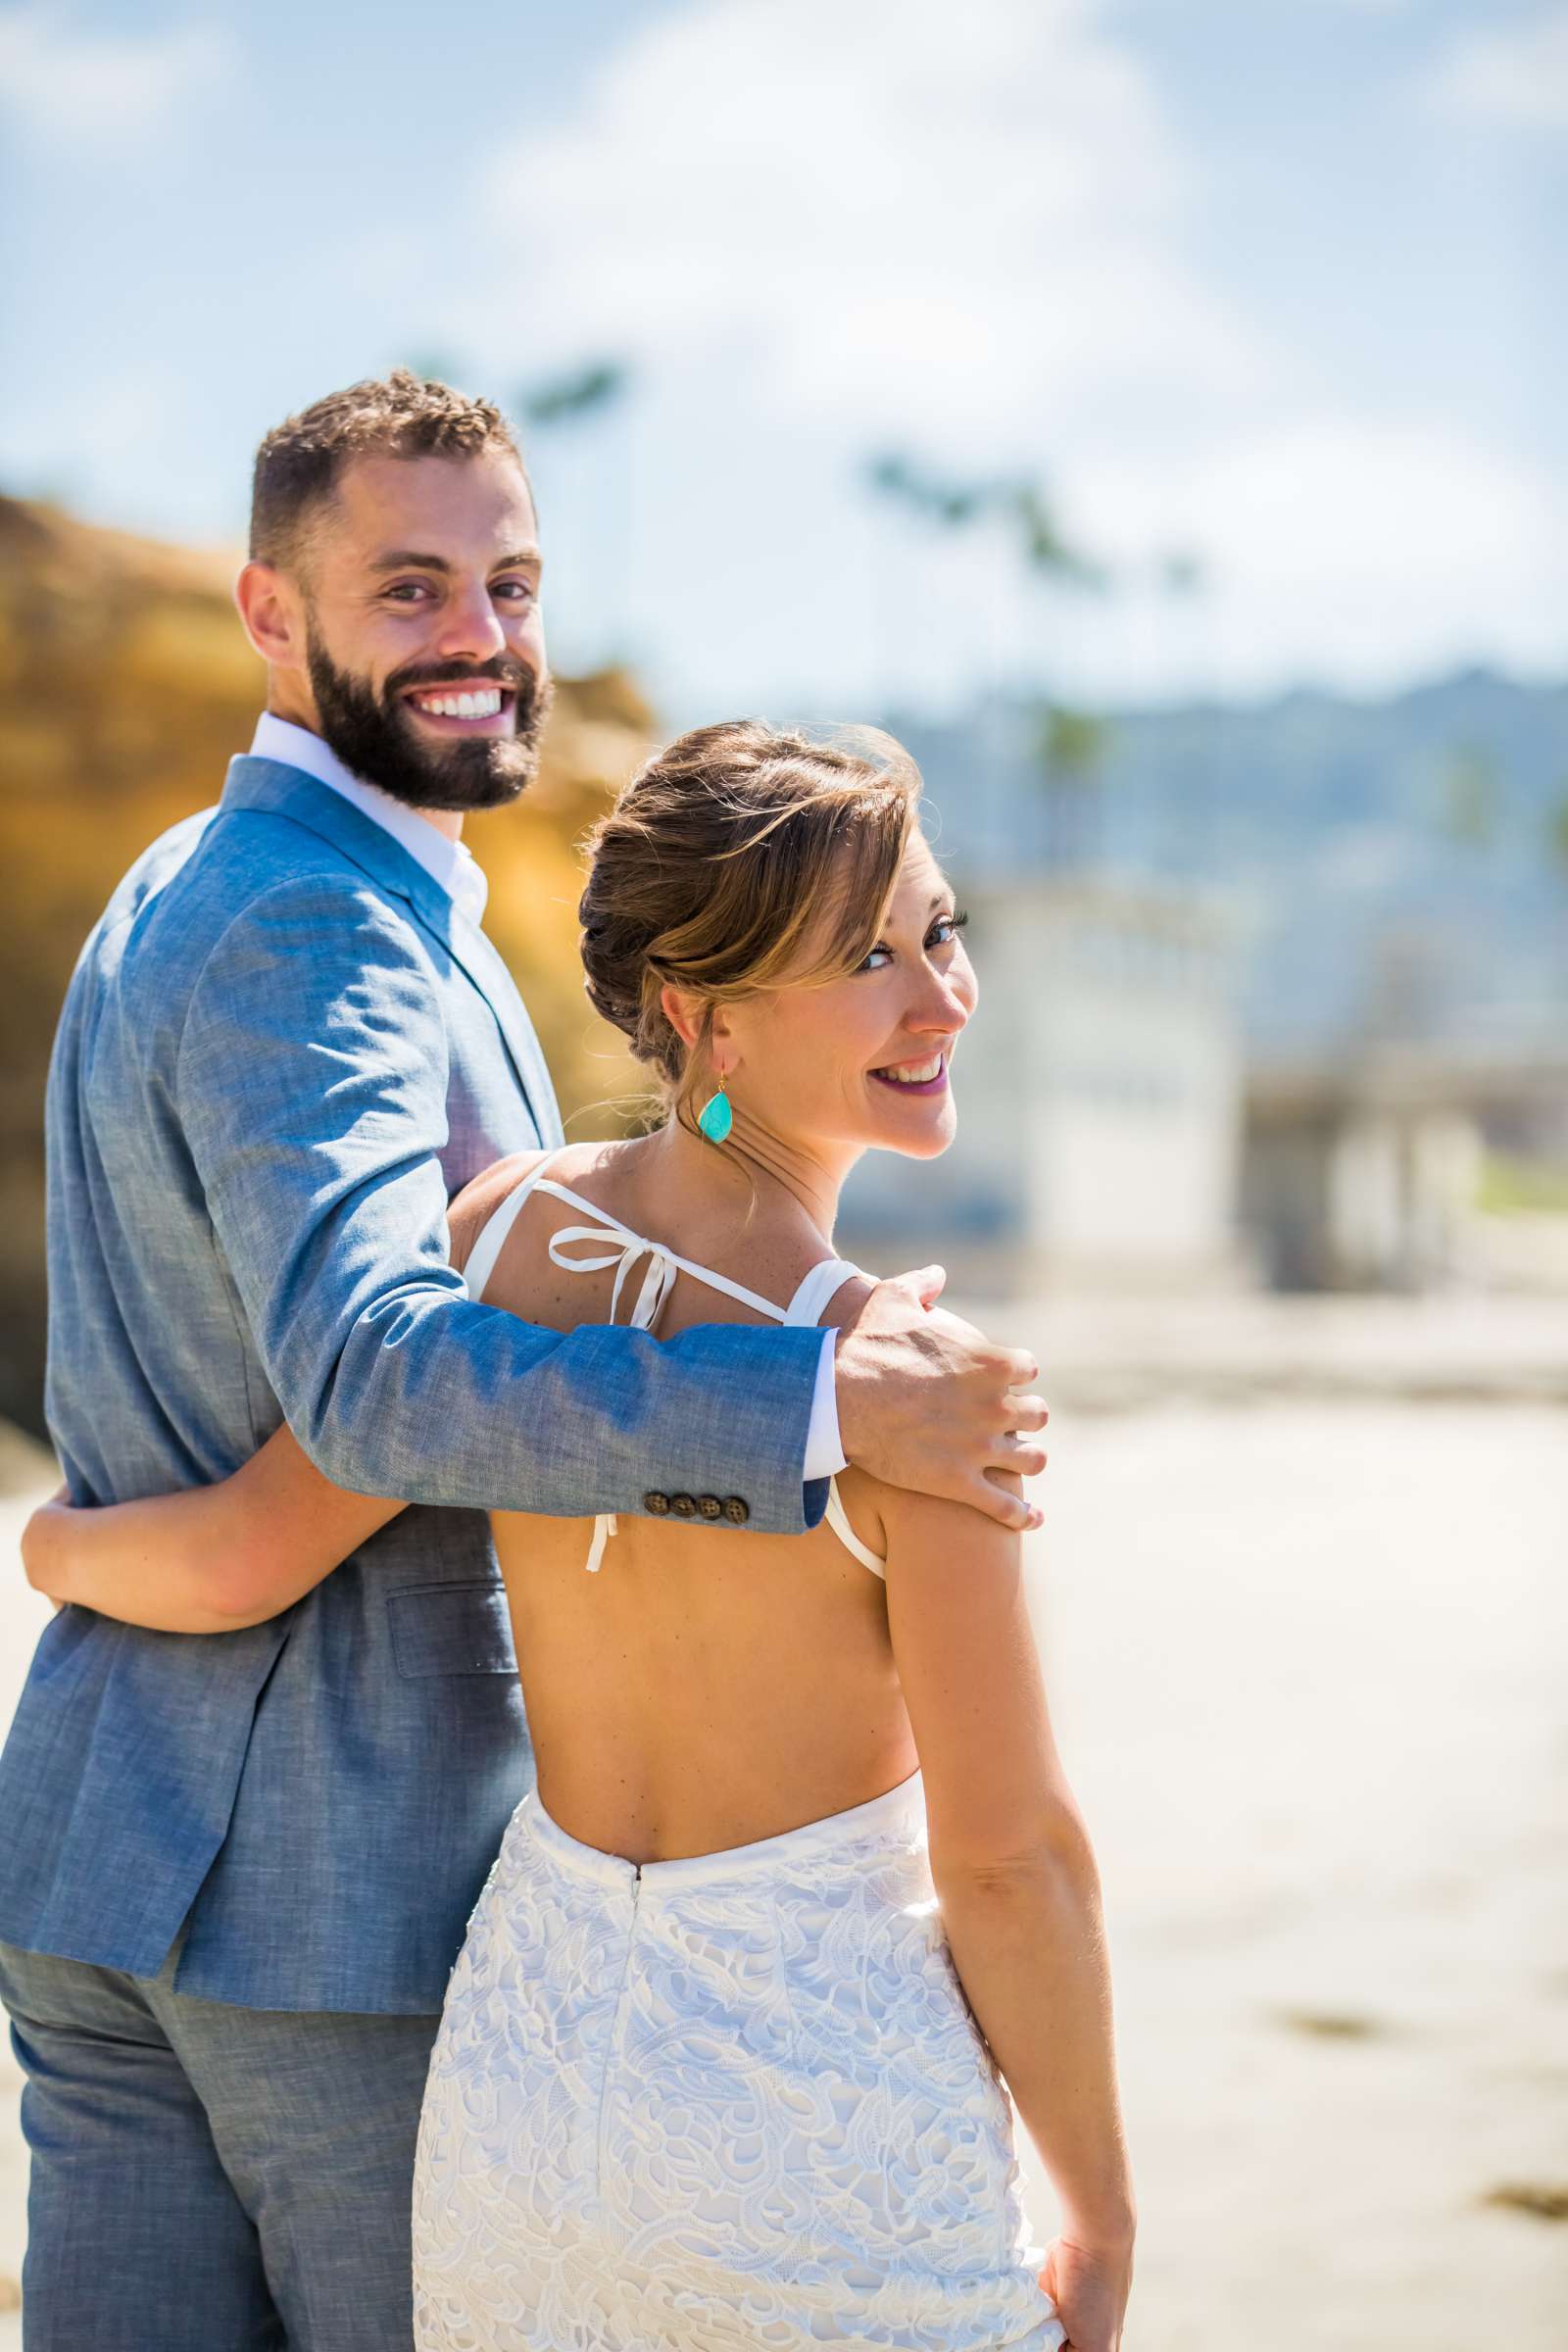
(470, 627)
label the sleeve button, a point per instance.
(656, 1503)
(709, 1506)
(737, 1508)
(684, 1506)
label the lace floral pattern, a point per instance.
(729, 2103)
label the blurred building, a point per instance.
(1099, 1094)
(1397, 873)
(1369, 1170)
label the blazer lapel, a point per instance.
(269, 786)
(471, 948)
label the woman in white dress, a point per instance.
(802, 1882)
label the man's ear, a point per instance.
(273, 616)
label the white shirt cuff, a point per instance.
(825, 1453)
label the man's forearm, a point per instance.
(438, 1400)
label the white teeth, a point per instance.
(913, 1073)
(484, 705)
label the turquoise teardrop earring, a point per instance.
(715, 1116)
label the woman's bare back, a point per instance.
(709, 1687)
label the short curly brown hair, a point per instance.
(397, 415)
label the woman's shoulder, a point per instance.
(471, 1209)
(909, 1529)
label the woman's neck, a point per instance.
(754, 1166)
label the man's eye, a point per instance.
(407, 592)
(522, 592)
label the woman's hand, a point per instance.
(1089, 2285)
(44, 1549)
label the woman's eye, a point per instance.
(942, 934)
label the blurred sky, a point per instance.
(1279, 282)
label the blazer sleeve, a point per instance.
(311, 1088)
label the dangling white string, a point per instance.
(657, 1285)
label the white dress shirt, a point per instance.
(453, 865)
(450, 862)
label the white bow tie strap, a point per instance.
(657, 1285)
(658, 1282)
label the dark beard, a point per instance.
(373, 736)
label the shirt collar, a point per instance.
(451, 864)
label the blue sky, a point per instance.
(1272, 281)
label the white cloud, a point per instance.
(909, 219)
(821, 230)
(1515, 75)
(1340, 548)
(68, 83)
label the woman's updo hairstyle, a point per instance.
(741, 857)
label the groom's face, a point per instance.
(423, 644)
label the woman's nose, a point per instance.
(942, 1007)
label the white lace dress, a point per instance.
(735, 2103)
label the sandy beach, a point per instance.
(1307, 1659)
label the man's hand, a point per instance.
(927, 1401)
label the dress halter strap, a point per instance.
(823, 1282)
(493, 1232)
(615, 1245)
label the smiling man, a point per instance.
(434, 687)
(238, 1864)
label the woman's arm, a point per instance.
(1016, 1874)
(209, 1560)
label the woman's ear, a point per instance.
(721, 1046)
(697, 1019)
(682, 1010)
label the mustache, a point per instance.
(502, 671)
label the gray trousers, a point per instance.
(208, 2178)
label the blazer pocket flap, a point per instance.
(452, 1628)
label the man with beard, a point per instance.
(237, 1867)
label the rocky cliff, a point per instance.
(126, 686)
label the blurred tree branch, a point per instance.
(581, 392)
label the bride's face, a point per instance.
(864, 1062)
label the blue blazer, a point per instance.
(283, 1050)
